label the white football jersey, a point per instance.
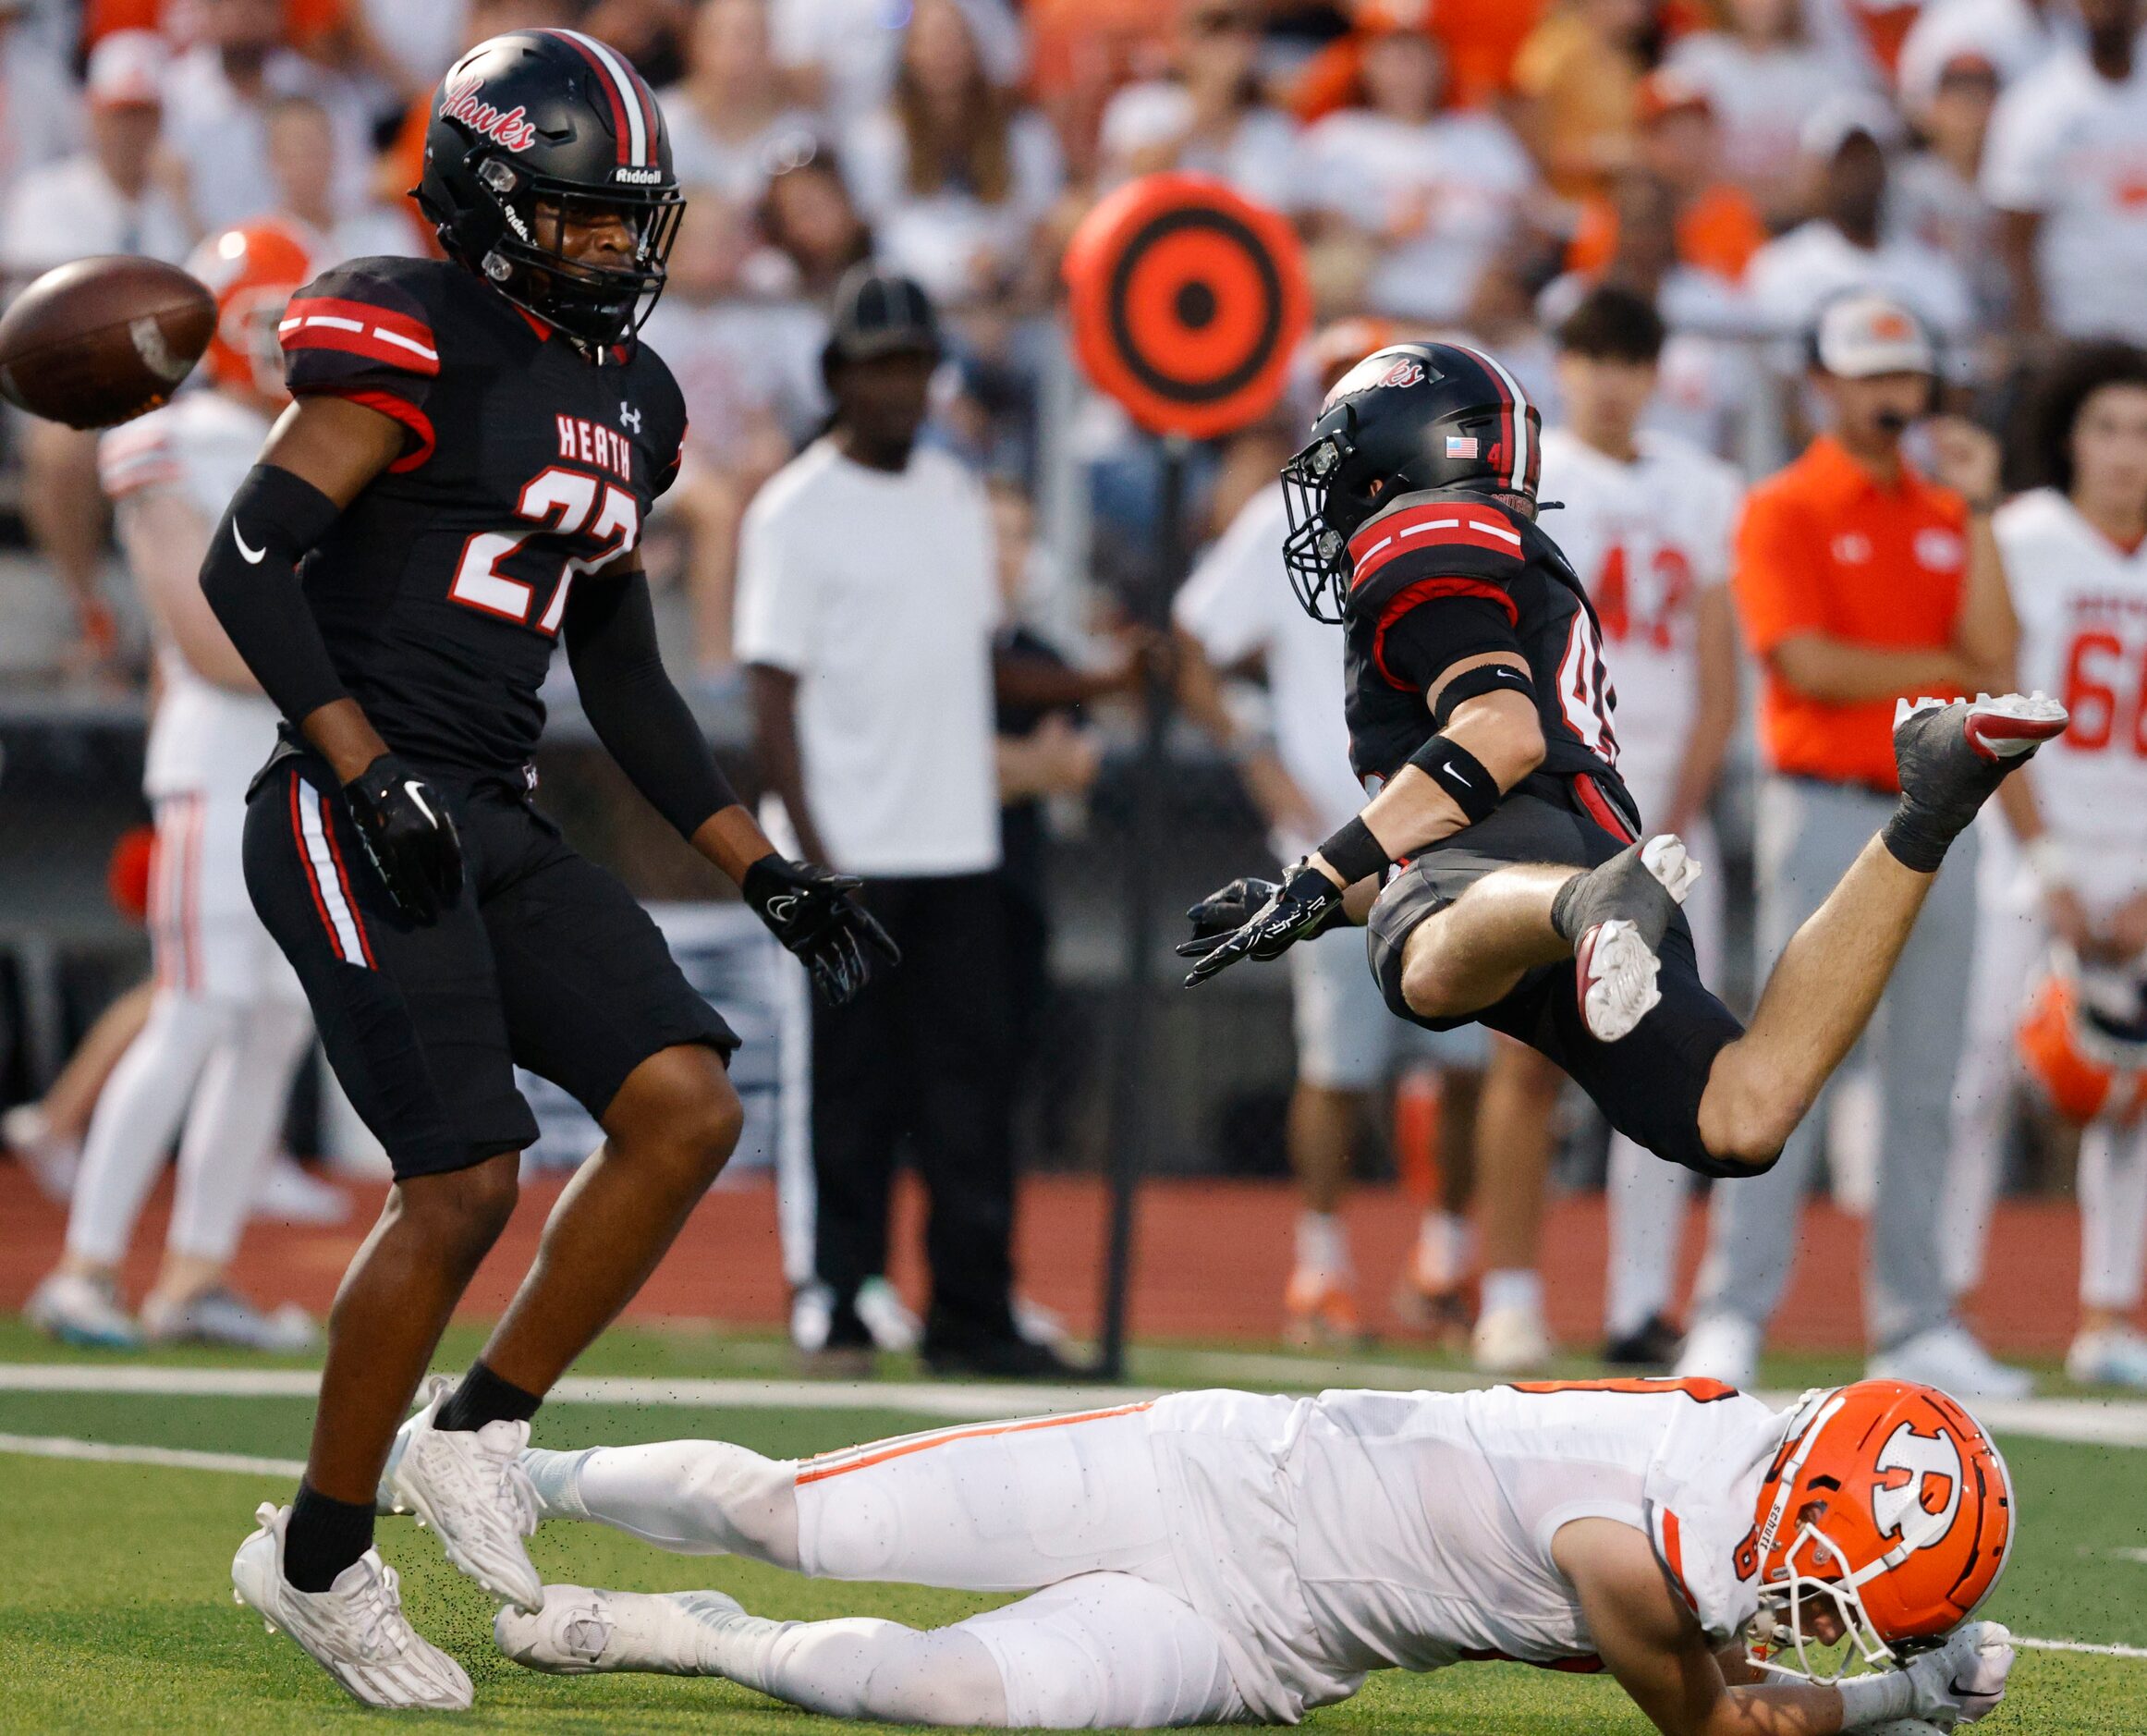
(1362, 1531)
(1647, 538)
(2083, 606)
(204, 737)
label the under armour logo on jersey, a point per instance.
(628, 417)
(1922, 1491)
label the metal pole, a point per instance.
(1130, 1094)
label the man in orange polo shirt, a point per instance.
(1860, 581)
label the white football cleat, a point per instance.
(582, 1630)
(1948, 1357)
(2113, 1358)
(76, 1309)
(219, 1316)
(470, 1487)
(1721, 1347)
(886, 1317)
(355, 1630)
(1511, 1342)
(1616, 963)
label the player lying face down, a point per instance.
(1218, 1557)
(1481, 719)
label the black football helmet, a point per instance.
(556, 120)
(1407, 417)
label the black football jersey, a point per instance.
(1447, 574)
(527, 462)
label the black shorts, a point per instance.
(545, 960)
(1648, 1084)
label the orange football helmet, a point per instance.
(1887, 1502)
(253, 271)
(2084, 1040)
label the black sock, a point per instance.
(484, 1398)
(324, 1538)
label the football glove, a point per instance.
(410, 837)
(812, 911)
(1257, 919)
(1964, 1679)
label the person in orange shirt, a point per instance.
(1578, 76)
(1718, 226)
(1859, 582)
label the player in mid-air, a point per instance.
(1500, 862)
(1219, 1557)
(460, 486)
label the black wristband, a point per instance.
(1461, 774)
(1485, 678)
(1354, 853)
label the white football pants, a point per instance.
(1068, 1509)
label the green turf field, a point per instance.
(115, 1611)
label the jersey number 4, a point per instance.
(1583, 694)
(556, 502)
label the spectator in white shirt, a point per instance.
(1844, 246)
(1763, 78)
(40, 116)
(868, 602)
(103, 200)
(2014, 36)
(1937, 194)
(302, 163)
(731, 116)
(954, 174)
(2066, 167)
(1412, 205)
(842, 54)
(217, 112)
(1208, 117)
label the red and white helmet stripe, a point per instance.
(633, 110)
(1514, 436)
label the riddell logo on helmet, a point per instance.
(1920, 1489)
(639, 177)
(513, 130)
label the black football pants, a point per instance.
(926, 1053)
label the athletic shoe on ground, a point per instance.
(223, 1316)
(1614, 961)
(582, 1630)
(1721, 1347)
(355, 1630)
(812, 1311)
(2114, 1358)
(290, 1193)
(1948, 1357)
(1654, 1345)
(1320, 1312)
(1511, 1342)
(1038, 1324)
(886, 1317)
(1441, 1311)
(1953, 755)
(79, 1309)
(965, 1353)
(470, 1487)
(51, 1160)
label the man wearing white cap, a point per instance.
(1843, 245)
(1860, 581)
(99, 201)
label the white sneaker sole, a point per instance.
(1615, 969)
(1993, 742)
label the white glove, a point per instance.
(1965, 1678)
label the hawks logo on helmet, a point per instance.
(1405, 371)
(512, 130)
(1888, 1504)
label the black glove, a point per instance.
(409, 835)
(810, 910)
(1260, 920)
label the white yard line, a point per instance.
(2079, 1645)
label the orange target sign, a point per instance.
(1186, 303)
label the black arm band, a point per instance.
(1485, 678)
(1460, 773)
(642, 720)
(250, 576)
(1355, 854)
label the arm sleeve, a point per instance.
(637, 715)
(250, 576)
(360, 333)
(1426, 636)
(1773, 572)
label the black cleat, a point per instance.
(1953, 755)
(1654, 1345)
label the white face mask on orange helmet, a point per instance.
(1888, 1504)
(2084, 1040)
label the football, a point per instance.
(99, 341)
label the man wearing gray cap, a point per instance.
(867, 604)
(1860, 581)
